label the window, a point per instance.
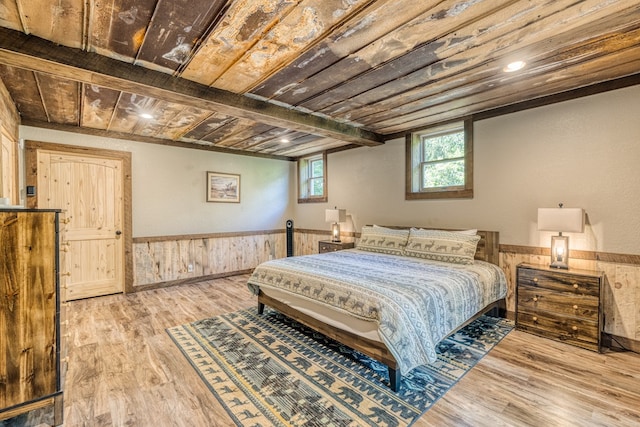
(312, 179)
(440, 162)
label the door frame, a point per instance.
(31, 149)
(14, 164)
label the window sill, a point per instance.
(430, 195)
(314, 200)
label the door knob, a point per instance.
(118, 232)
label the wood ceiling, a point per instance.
(245, 75)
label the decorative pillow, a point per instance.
(438, 245)
(383, 240)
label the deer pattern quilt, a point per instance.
(416, 302)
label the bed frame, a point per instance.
(487, 250)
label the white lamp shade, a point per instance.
(569, 220)
(335, 215)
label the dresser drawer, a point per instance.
(560, 281)
(564, 303)
(326, 246)
(572, 330)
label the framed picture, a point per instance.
(223, 187)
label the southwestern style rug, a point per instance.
(268, 370)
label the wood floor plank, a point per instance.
(124, 370)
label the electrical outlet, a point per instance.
(190, 268)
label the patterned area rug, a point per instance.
(271, 371)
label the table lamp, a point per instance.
(336, 216)
(560, 219)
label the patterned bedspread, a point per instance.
(415, 302)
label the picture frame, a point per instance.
(223, 187)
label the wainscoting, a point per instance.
(164, 261)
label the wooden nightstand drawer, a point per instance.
(561, 305)
(560, 281)
(325, 246)
(572, 330)
(530, 298)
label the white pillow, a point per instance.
(471, 231)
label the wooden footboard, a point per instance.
(374, 349)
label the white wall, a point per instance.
(169, 186)
(584, 153)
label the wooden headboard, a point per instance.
(488, 248)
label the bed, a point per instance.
(395, 296)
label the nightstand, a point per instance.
(564, 305)
(325, 246)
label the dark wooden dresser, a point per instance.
(564, 305)
(30, 373)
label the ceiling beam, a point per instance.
(32, 53)
(149, 139)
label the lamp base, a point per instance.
(559, 266)
(560, 252)
(335, 232)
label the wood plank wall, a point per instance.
(163, 261)
(9, 122)
(9, 116)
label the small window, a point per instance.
(312, 179)
(440, 162)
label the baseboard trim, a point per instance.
(169, 283)
(617, 343)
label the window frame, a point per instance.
(414, 159)
(304, 179)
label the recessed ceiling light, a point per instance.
(514, 66)
(146, 116)
(284, 140)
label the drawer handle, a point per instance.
(535, 299)
(535, 318)
(575, 328)
(575, 286)
(575, 306)
(535, 279)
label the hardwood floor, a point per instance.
(125, 371)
